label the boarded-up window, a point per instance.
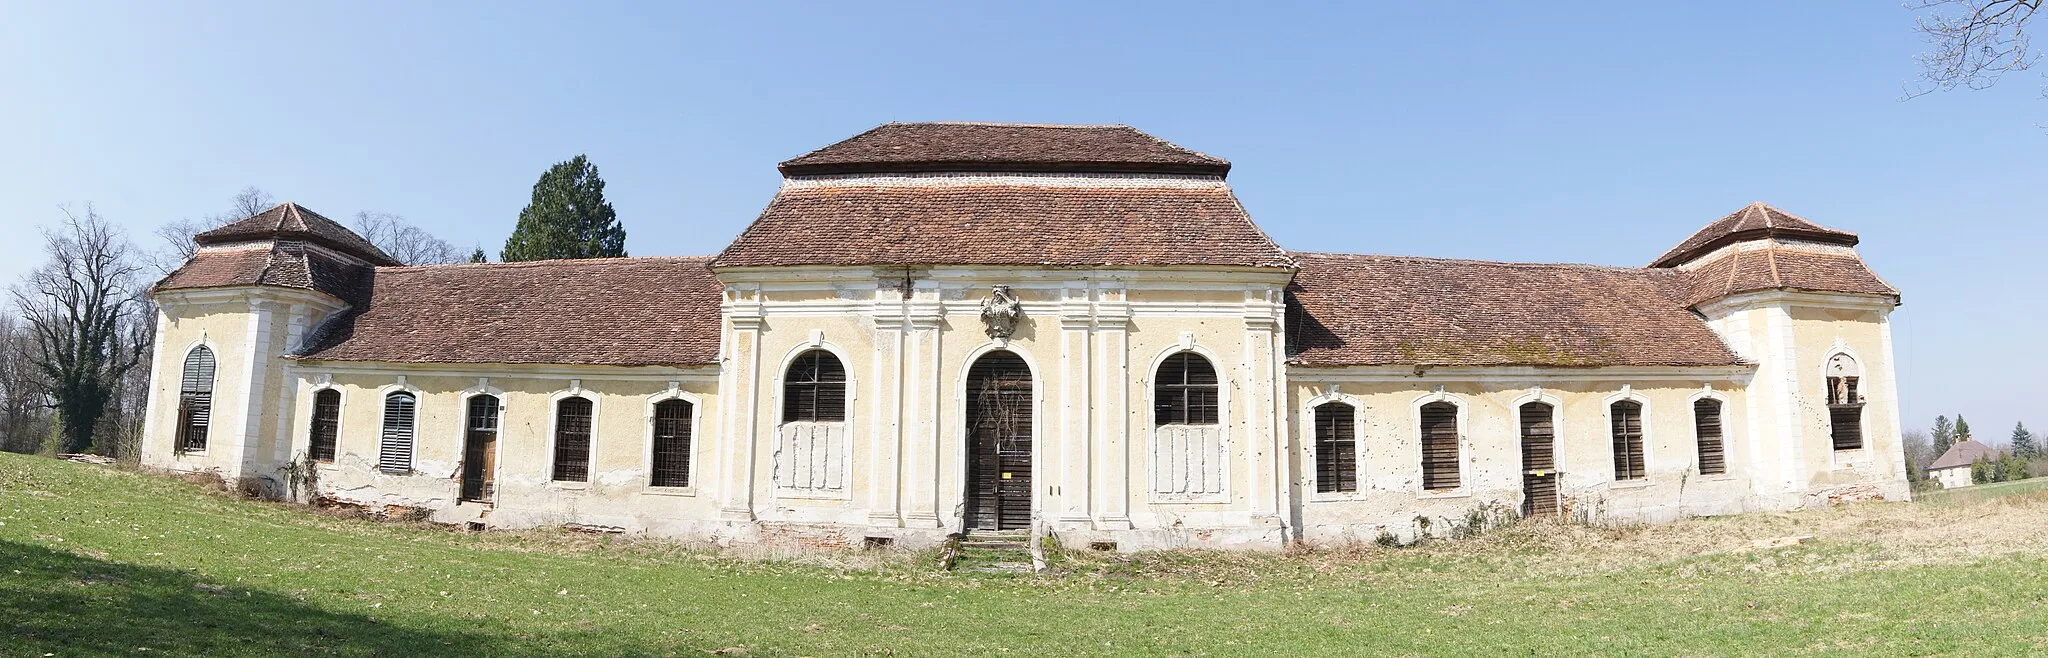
(326, 430)
(480, 449)
(1336, 448)
(814, 389)
(671, 444)
(1185, 391)
(1626, 419)
(1439, 445)
(572, 440)
(1706, 423)
(195, 399)
(394, 449)
(1539, 459)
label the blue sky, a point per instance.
(1596, 133)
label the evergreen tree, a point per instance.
(1982, 470)
(2012, 468)
(1962, 429)
(1943, 434)
(2023, 445)
(478, 256)
(567, 218)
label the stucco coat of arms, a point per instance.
(1000, 312)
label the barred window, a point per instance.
(814, 389)
(1185, 391)
(1440, 445)
(326, 430)
(394, 451)
(671, 444)
(572, 440)
(1706, 423)
(1626, 418)
(1336, 448)
(195, 399)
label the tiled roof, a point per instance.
(1055, 225)
(294, 222)
(1346, 310)
(273, 264)
(1756, 220)
(611, 311)
(1772, 267)
(947, 146)
(1963, 453)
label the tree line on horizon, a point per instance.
(2024, 454)
(75, 332)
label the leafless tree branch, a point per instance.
(1975, 42)
(410, 244)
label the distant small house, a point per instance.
(1952, 469)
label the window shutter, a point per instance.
(572, 440)
(1845, 423)
(1706, 419)
(394, 452)
(1336, 448)
(326, 431)
(195, 399)
(1627, 430)
(671, 444)
(1439, 445)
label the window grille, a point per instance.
(572, 440)
(1185, 391)
(814, 389)
(326, 430)
(671, 444)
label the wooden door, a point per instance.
(1539, 461)
(999, 443)
(480, 449)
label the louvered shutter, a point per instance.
(326, 430)
(195, 399)
(1336, 448)
(1539, 460)
(572, 440)
(1706, 419)
(1627, 428)
(1439, 445)
(671, 444)
(394, 451)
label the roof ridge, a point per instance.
(1477, 261)
(1010, 124)
(545, 262)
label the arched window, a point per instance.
(1184, 391)
(394, 451)
(1706, 424)
(671, 444)
(814, 389)
(572, 439)
(1440, 445)
(1845, 402)
(1626, 419)
(1336, 448)
(195, 399)
(326, 430)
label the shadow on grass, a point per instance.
(52, 601)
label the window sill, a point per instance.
(1337, 497)
(813, 494)
(570, 486)
(1718, 477)
(1629, 484)
(1443, 494)
(1204, 499)
(677, 492)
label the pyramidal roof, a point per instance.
(1755, 221)
(1963, 453)
(292, 221)
(1003, 147)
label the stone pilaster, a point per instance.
(1265, 445)
(924, 396)
(741, 382)
(257, 359)
(885, 491)
(1111, 465)
(1071, 435)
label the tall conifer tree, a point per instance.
(2023, 445)
(1962, 429)
(567, 218)
(1943, 435)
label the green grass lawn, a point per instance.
(1984, 492)
(95, 561)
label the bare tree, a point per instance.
(1975, 42)
(78, 308)
(410, 244)
(22, 399)
(177, 236)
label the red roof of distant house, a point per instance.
(1963, 453)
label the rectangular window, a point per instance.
(1336, 449)
(572, 440)
(671, 444)
(326, 430)
(1439, 445)
(1627, 418)
(1706, 423)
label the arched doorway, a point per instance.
(999, 442)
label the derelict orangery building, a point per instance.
(937, 327)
